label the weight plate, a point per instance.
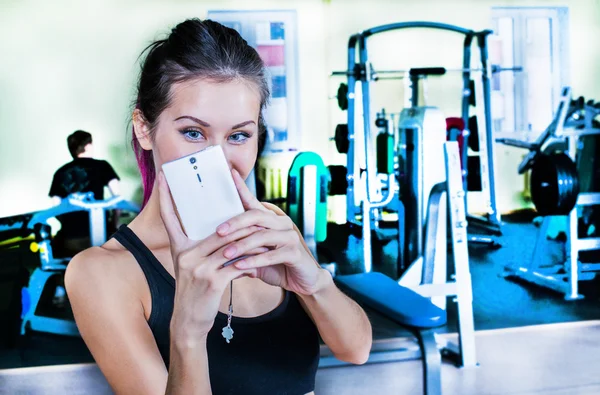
(554, 184)
(342, 96)
(341, 138)
(339, 182)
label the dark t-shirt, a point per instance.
(81, 175)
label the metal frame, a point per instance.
(309, 200)
(461, 286)
(429, 350)
(561, 278)
(49, 266)
(359, 71)
(423, 175)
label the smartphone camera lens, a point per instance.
(192, 160)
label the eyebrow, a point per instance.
(207, 125)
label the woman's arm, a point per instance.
(111, 320)
(188, 373)
(342, 323)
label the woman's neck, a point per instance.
(148, 225)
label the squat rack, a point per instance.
(359, 71)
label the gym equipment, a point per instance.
(424, 135)
(372, 74)
(341, 138)
(23, 223)
(308, 181)
(338, 182)
(555, 193)
(16, 261)
(342, 96)
(554, 184)
(368, 192)
(415, 75)
(385, 145)
(49, 266)
(410, 306)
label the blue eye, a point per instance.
(239, 137)
(192, 134)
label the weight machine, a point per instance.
(411, 120)
(26, 224)
(411, 307)
(555, 192)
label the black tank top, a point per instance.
(276, 353)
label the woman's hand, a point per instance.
(199, 273)
(287, 264)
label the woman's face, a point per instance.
(204, 113)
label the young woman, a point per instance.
(154, 306)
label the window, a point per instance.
(534, 38)
(273, 34)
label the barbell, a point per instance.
(401, 73)
(342, 92)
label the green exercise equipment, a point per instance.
(385, 153)
(308, 182)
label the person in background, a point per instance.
(83, 174)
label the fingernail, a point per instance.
(222, 228)
(241, 264)
(229, 252)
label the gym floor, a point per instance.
(529, 339)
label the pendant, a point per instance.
(227, 333)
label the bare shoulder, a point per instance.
(108, 268)
(104, 291)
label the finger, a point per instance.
(224, 275)
(215, 242)
(167, 212)
(287, 256)
(265, 238)
(231, 273)
(263, 219)
(259, 250)
(256, 251)
(248, 199)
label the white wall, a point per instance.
(67, 65)
(420, 47)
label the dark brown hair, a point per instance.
(77, 142)
(194, 49)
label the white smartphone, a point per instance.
(203, 191)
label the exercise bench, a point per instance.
(412, 307)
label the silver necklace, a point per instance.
(227, 331)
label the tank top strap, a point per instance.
(146, 259)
